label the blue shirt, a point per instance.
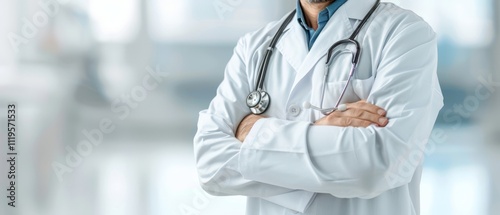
(323, 18)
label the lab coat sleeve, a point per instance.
(216, 148)
(349, 162)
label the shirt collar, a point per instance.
(300, 16)
(323, 16)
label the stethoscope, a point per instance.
(259, 100)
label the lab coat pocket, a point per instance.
(362, 87)
(333, 92)
(358, 89)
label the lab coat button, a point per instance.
(294, 110)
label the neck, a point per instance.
(312, 10)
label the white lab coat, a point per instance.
(288, 166)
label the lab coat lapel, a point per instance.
(337, 28)
(357, 9)
(293, 45)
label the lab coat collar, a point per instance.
(293, 44)
(357, 9)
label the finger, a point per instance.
(365, 115)
(352, 122)
(367, 107)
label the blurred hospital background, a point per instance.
(72, 65)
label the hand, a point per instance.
(246, 125)
(358, 114)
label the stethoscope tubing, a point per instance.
(267, 57)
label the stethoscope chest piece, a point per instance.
(258, 102)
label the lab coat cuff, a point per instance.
(252, 141)
(252, 137)
(298, 200)
(269, 144)
(255, 137)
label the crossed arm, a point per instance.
(342, 154)
(358, 114)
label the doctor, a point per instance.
(363, 159)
